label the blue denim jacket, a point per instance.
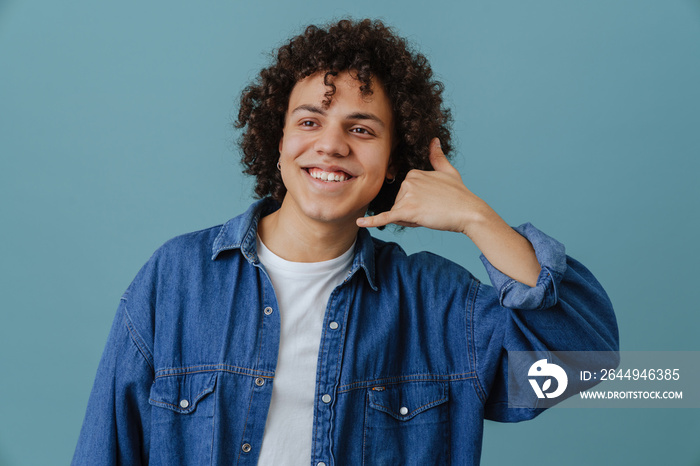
(415, 364)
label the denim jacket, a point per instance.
(412, 359)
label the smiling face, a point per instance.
(334, 159)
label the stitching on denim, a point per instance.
(195, 400)
(215, 370)
(546, 282)
(251, 235)
(213, 436)
(217, 250)
(212, 368)
(364, 428)
(480, 392)
(407, 379)
(504, 290)
(221, 235)
(161, 403)
(414, 378)
(411, 414)
(263, 275)
(261, 334)
(136, 338)
(314, 430)
(321, 353)
(245, 424)
(198, 366)
(339, 358)
(471, 346)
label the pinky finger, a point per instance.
(378, 220)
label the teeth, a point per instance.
(327, 176)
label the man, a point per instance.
(289, 335)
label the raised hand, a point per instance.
(434, 199)
(440, 200)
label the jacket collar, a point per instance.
(241, 233)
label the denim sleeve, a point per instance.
(552, 259)
(567, 310)
(117, 422)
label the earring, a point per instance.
(389, 180)
(278, 166)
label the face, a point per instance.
(335, 159)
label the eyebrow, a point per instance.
(352, 116)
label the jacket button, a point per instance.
(326, 398)
(268, 311)
(184, 404)
(246, 447)
(403, 411)
(320, 463)
(333, 325)
(259, 381)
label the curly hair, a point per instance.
(369, 49)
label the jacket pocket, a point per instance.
(182, 427)
(183, 393)
(407, 423)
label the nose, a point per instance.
(332, 141)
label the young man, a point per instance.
(289, 335)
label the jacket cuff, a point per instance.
(551, 256)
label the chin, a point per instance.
(333, 214)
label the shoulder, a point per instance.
(237, 233)
(391, 258)
(178, 255)
(188, 246)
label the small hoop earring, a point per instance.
(389, 180)
(278, 166)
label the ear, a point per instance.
(392, 169)
(279, 146)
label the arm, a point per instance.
(542, 300)
(567, 312)
(439, 200)
(116, 428)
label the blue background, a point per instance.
(581, 117)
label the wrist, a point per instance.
(480, 218)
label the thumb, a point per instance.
(438, 159)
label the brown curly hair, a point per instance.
(368, 49)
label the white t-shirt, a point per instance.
(302, 290)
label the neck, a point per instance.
(297, 238)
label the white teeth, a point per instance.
(327, 176)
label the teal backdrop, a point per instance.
(582, 117)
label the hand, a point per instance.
(434, 199)
(439, 200)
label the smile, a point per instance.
(334, 176)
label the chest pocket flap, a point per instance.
(183, 393)
(406, 400)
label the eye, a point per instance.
(308, 123)
(360, 130)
